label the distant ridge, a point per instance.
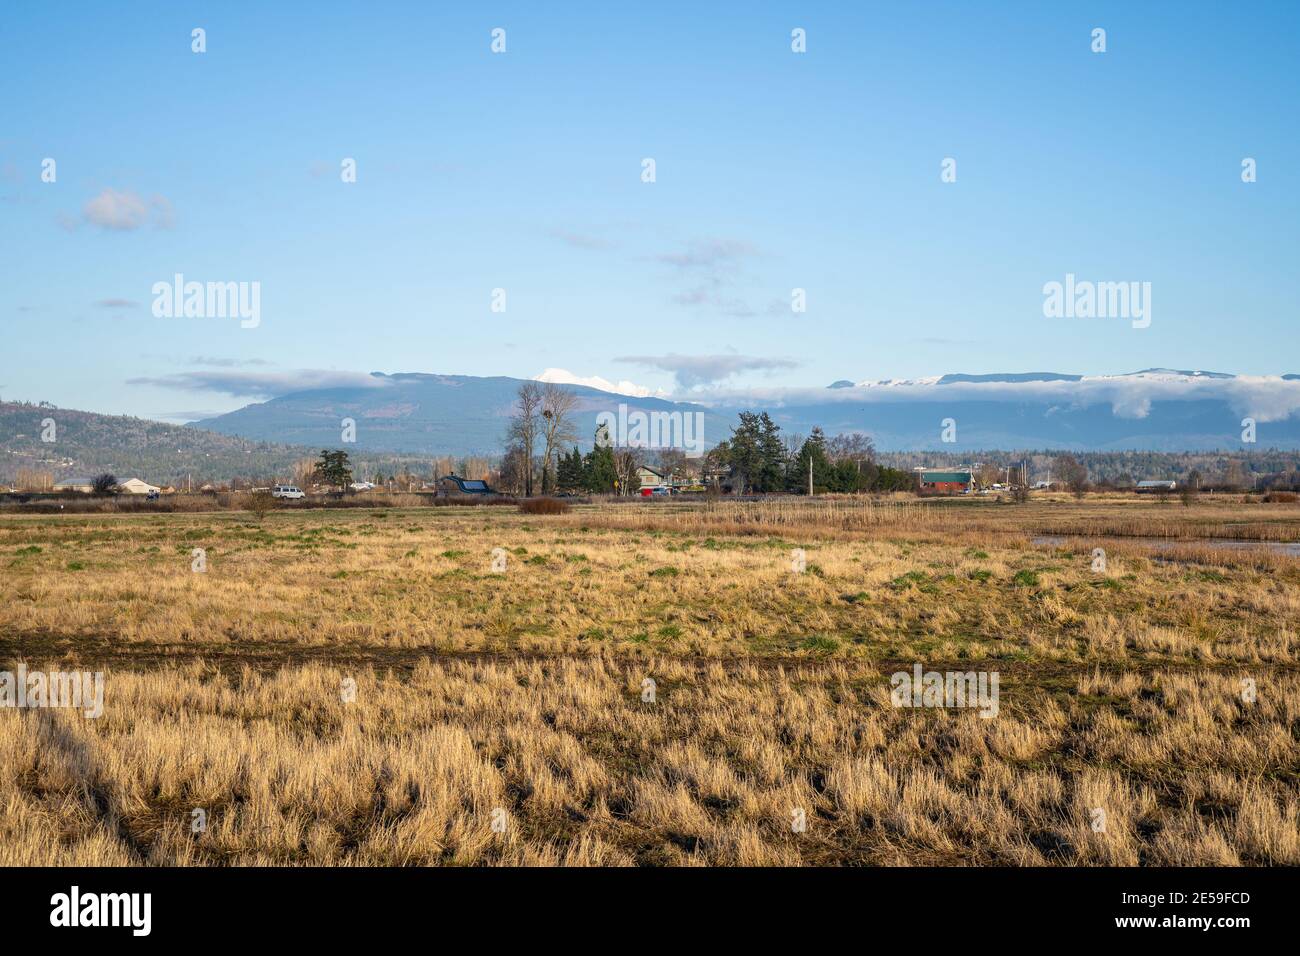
(412, 416)
(1156, 409)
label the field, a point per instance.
(658, 683)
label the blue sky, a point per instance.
(522, 171)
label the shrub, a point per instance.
(544, 506)
(260, 504)
(1281, 497)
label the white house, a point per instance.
(134, 486)
(1155, 487)
(73, 484)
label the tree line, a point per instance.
(758, 460)
(755, 459)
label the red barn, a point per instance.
(946, 482)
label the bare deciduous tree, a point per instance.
(673, 463)
(626, 463)
(558, 430)
(524, 426)
(1070, 472)
(29, 479)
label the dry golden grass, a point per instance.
(521, 691)
(327, 583)
(579, 769)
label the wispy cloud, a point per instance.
(711, 255)
(224, 362)
(117, 303)
(581, 240)
(260, 384)
(712, 267)
(692, 371)
(711, 298)
(123, 210)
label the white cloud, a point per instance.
(692, 371)
(124, 210)
(562, 376)
(1266, 398)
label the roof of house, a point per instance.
(654, 471)
(1158, 483)
(137, 483)
(468, 485)
(958, 477)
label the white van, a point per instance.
(287, 491)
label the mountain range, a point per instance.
(409, 417)
(1155, 409)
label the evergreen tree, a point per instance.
(746, 456)
(570, 474)
(598, 470)
(333, 469)
(825, 476)
(772, 453)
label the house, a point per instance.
(1155, 487)
(455, 485)
(74, 484)
(134, 486)
(651, 478)
(945, 482)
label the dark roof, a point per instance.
(962, 477)
(468, 486)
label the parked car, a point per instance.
(362, 486)
(287, 491)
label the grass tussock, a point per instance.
(574, 766)
(500, 666)
(544, 506)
